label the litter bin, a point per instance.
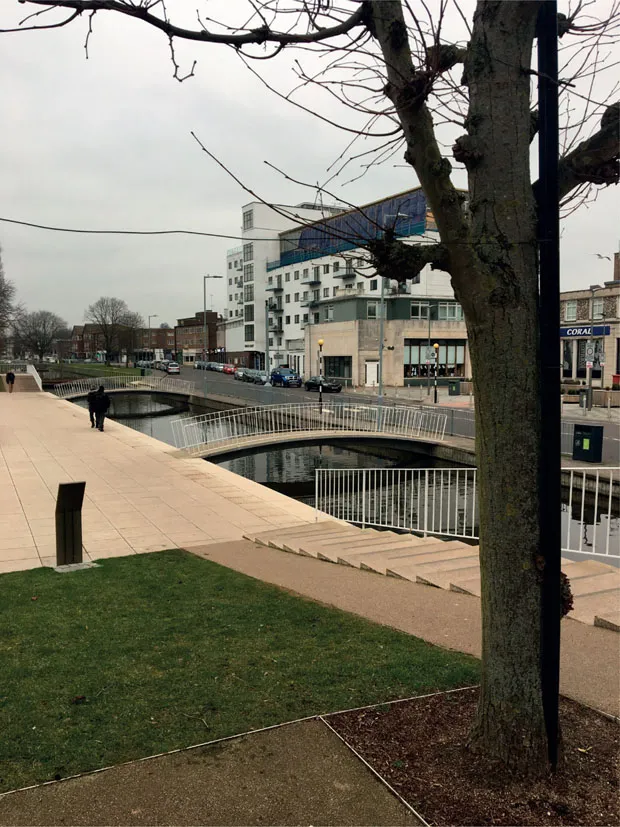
(588, 443)
(585, 398)
(454, 387)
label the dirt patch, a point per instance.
(419, 747)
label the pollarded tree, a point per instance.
(391, 62)
(36, 332)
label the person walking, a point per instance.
(102, 403)
(92, 395)
(10, 380)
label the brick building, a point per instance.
(189, 337)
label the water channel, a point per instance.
(291, 470)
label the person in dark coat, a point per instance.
(10, 380)
(102, 403)
(92, 394)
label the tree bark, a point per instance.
(492, 258)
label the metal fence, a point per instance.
(16, 367)
(165, 384)
(197, 433)
(444, 502)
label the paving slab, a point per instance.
(297, 774)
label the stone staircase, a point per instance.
(445, 564)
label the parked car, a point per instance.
(218, 366)
(199, 365)
(238, 374)
(285, 378)
(248, 375)
(260, 377)
(172, 367)
(329, 385)
(229, 369)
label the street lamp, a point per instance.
(593, 289)
(395, 216)
(152, 316)
(320, 344)
(204, 317)
(436, 346)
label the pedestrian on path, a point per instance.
(92, 395)
(102, 403)
(10, 380)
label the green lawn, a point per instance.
(148, 653)
(99, 370)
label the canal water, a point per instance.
(291, 470)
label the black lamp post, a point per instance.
(436, 346)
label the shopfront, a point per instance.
(582, 346)
(450, 361)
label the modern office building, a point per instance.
(317, 283)
(590, 332)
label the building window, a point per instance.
(326, 268)
(597, 308)
(248, 220)
(297, 319)
(451, 361)
(230, 297)
(248, 293)
(236, 296)
(249, 332)
(315, 316)
(570, 311)
(316, 272)
(229, 281)
(287, 277)
(306, 272)
(248, 272)
(305, 296)
(248, 312)
(279, 341)
(349, 267)
(287, 320)
(230, 265)
(450, 312)
(270, 342)
(326, 292)
(287, 298)
(336, 266)
(316, 295)
(360, 287)
(419, 310)
(296, 297)
(371, 310)
(329, 313)
(305, 317)
(335, 291)
(248, 252)
(373, 284)
(338, 367)
(296, 275)
(270, 280)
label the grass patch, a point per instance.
(100, 370)
(148, 653)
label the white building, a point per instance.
(246, 274)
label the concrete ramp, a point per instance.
(24, 383)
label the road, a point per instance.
(460, 418)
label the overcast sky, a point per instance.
(104, 143)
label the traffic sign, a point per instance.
(430, 355)
(589, 364)
(590, 350)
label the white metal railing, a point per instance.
(16, 367)
(197, 433)
(444, 501)
(35, 373)
(166, 384)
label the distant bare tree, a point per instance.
(7, 296)
(131, 323)
(35, 333)
(109, 314)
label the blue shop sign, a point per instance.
(584, 331)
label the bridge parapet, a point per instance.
(198, 435)
(124, 382)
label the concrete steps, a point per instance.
(445, 564)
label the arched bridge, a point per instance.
(211, 434)
(124, 384)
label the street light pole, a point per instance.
(381, 336)
(320, 344)
(593, 289)
(152, 316)
(204, 308)
(428, 367)
(436, 346)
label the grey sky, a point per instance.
(105, 143)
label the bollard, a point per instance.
(69, 523)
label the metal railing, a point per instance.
(164, 384)
(30, 369)
(16, 367)
(198, 433)
(444, 502)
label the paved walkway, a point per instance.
(139, 497)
